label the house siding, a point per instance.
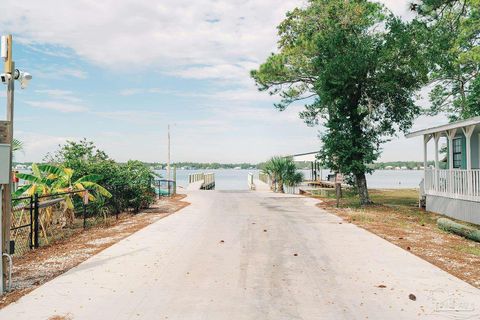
(464, 210)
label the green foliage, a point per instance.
(453, 29)
(17, 145)
(359, 67)
(130, 184)
(282, 171)
(47, 179)
(463, 230)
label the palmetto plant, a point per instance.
(47, 179)
(282, 171)
(17, 145)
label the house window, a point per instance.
(457, 153)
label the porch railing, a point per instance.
(456, 183)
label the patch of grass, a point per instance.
(471, 250)
(395, 197)
(361, 217)
(389, 197)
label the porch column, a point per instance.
(450, 184)
(426, 138)
(436, 137)
(450, 135)
(468, 131)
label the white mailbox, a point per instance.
(4, 163)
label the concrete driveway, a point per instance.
(251, 255)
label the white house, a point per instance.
(454, 191)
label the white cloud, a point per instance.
(133, 116)
(200, 38)
(73, 72)
(131, 91)
(66, 95)
(36, 145)
(135, 91)
(61, 106)
(58, 72)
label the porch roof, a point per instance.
(445, 127)
(305, 157)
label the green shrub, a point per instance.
(130, 184)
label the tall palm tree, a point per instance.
(282, 171)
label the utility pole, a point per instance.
(8, 77)
(168, 157)
(9, 69)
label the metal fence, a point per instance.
(164, 187)
(39, 220)
(21, 229)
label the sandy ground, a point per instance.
(251, 255)
(41, 265)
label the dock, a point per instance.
(201, 181)
(257, 184)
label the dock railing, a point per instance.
(264, 178)
(251, 184)
(201, 181)
(195, 177)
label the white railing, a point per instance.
(456, 183)
(264, 178)
(208, 178)
(194, 177)
(251, 184)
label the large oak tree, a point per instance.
(357, 67)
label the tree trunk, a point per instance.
(280, 186)
(361, 182)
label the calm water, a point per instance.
(237, 179)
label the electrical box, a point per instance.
(4, 163)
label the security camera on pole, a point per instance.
(6, 139)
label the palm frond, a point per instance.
(50, 169)
(17, 145)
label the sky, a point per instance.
(117, 72)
